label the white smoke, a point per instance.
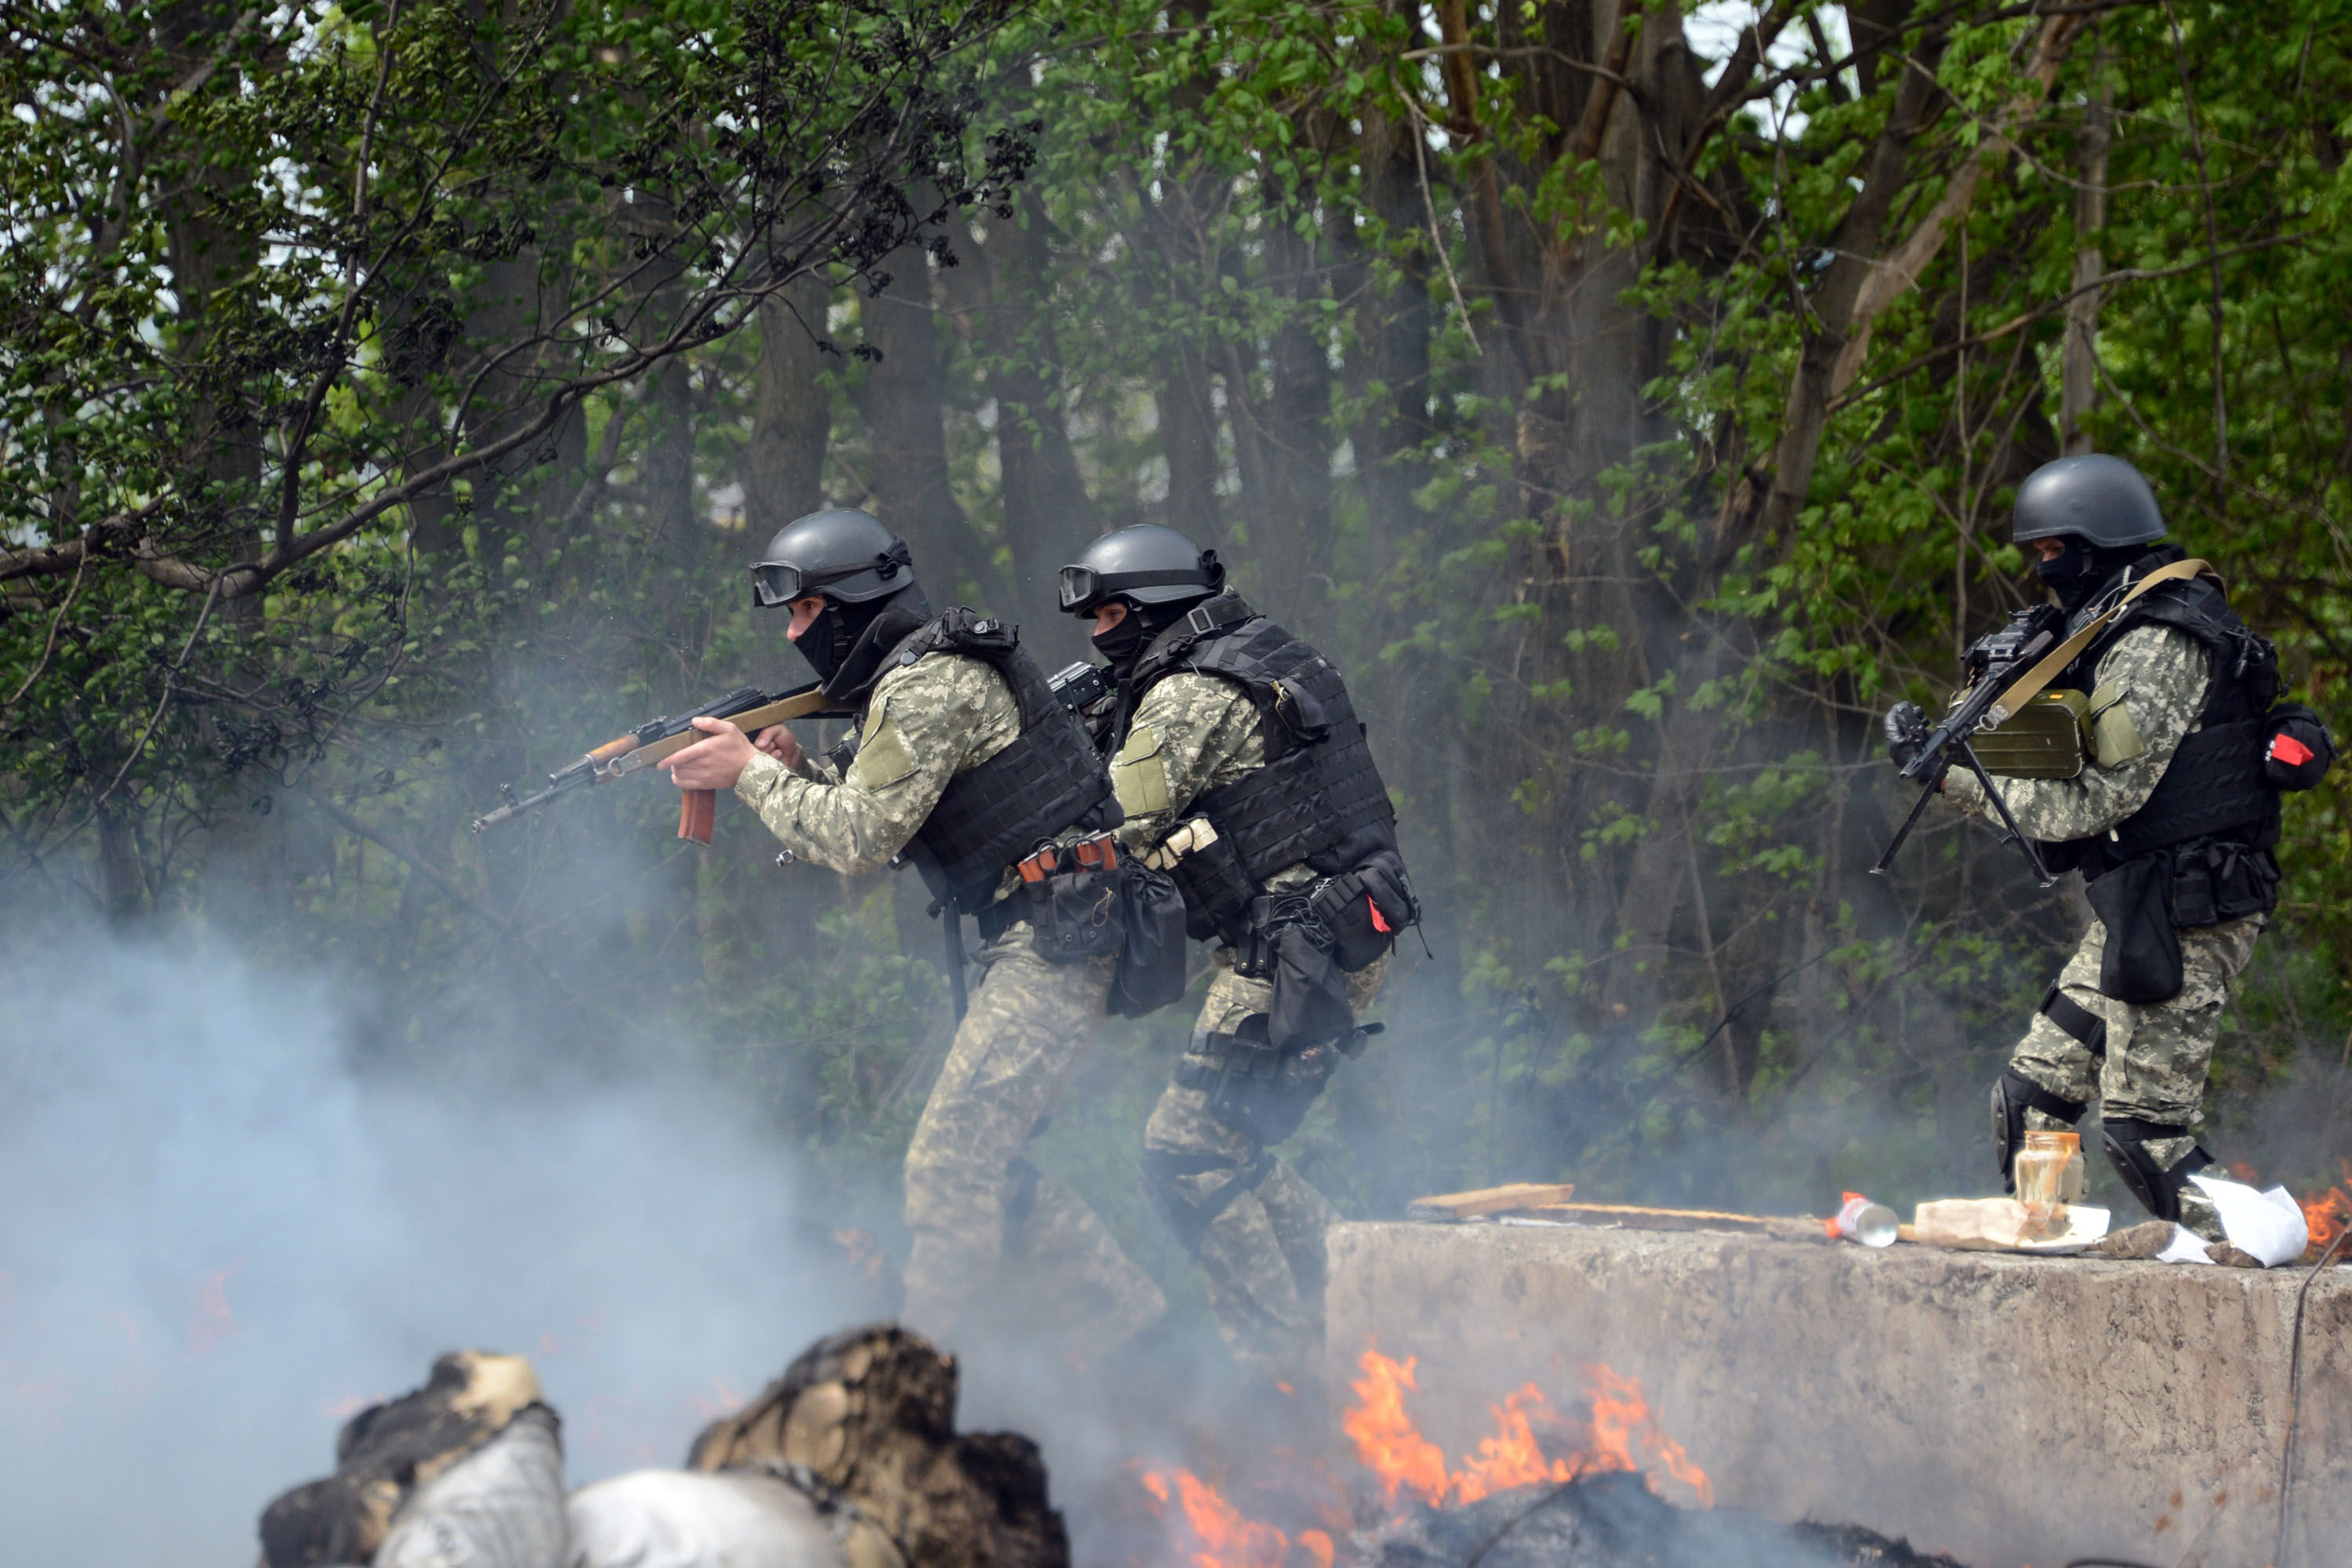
(217, 1239)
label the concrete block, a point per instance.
(2007, 1410)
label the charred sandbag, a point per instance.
(870, 1414)
(386, 1452)
(1614, 1520)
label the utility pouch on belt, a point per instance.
(2217, 882)
(1151, 963)
(1254, 1085)
(1364, 909)
(2134, 901)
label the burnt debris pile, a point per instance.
(850, 1459)
(1615, 1520)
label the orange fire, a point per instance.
(1225, 1538)
(1622, 1433)
(1624, 1436)
(2327, 1214)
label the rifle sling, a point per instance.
(2029, 685)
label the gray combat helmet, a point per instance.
(1145, 564)
(2100, 499)
(840, 552)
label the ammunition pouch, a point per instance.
(2212, 882)
(1072, 915)
(1254, 1085)
(2014, 1094)
(1216, 891)
(2043, 739)
(2158, 1190)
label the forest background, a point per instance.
(1630, 398)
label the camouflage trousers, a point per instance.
(2156, 1054)
(1255, 1225)
(999, 1245)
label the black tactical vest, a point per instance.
(2214, 787)
(1318, 798)
(1049, 778)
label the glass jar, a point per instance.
(2049, 1172)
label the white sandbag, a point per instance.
(2267, 1226)
(686, 1519)
(500, 1507)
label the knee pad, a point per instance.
(2126, 1140)
(2014, 1094)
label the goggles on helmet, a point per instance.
(779, 583)
(1083, 587)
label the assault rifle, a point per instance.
(748, 709)
(1998, 665)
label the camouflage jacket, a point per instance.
(928, 721)
(2162, 675)
(1192, 733)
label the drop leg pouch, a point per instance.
(2142, 962)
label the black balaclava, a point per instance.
(2081, 569)
(1124, 643)
(846, 643)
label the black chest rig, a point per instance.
(1318, 798)
(2215, 787)
(1048, 779)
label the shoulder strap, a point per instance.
(2029, 685)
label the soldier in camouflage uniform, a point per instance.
(1190, 727)
(2172, 806)
(965, 762)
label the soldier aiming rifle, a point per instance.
(2130, 732)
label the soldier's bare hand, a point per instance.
(778, 742)
(714, 761)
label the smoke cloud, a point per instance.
(220, 1238)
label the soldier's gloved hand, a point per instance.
(1905, 728)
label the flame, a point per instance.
(1386, 1439)
(1624, 1436)
(2326, 1214)
(1225, 1536)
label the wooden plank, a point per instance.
(1490, 1200)
(1635, 1217)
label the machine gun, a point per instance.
(748, 709)
(1998, 665)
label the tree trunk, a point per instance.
(784, 472)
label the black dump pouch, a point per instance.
(1075, 915)
(1216, 891)
(1152, 963)
(2142, 962)
(1364, 909)
(2297, 747)
(1286, 945)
